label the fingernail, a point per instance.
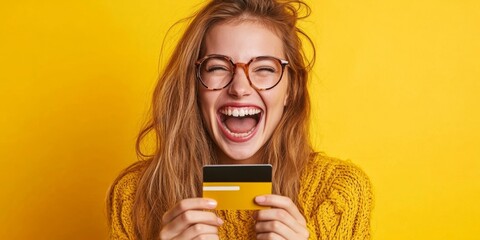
(260, 199)
(211, 203)
(255, 215)
(219, 220)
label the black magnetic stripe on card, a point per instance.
(237, 173)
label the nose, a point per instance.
(240, 85)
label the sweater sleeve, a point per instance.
(122, 197)
(339, 201)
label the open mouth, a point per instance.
(239, 123)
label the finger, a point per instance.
(278, 201)
(198, 230)
(275, 227)
(188, 218)
(281, 215)
(207, 236)
(188, 204)
(270, 236)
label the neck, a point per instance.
(225, 159)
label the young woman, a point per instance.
(235, 92)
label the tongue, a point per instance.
(240, 125)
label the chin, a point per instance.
(239, 155)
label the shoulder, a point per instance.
(121, 200)
(336, 198)
(125, 185)
(329, 170)
(330, 179)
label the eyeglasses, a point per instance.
(216, 72)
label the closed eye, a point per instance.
(217, 68)
(265, 69)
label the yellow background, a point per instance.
(395, 89)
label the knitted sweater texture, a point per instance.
(335, 197)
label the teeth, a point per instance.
(238, 135)
(240, 112)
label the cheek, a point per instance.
(206, 102)
(275, 102)
(202, 103)
(282, 93)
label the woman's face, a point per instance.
(239, 118)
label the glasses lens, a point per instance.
(216, 72)
(265, 72)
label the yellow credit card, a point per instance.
(235, 187)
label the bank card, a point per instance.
(235, 186)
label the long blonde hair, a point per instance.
(182, 146)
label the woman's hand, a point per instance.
(282, 221)
(188, 220)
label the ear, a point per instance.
(289, 89)
(285, 101)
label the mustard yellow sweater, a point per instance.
(336, 198)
